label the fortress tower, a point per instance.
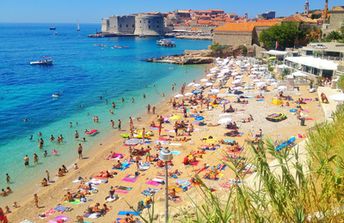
(306, 7)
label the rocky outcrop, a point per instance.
(189, 57)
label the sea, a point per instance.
(88, 74)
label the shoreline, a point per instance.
(56, 193)
(97, 149)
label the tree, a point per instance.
(285, 34)
(334, 35)
(340, 82)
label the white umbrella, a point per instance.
(210, 75)
(238, 88)
(215, 90)
(261, 84)
(188, 94)
(208, 84)
(236, 82)
(224, 115)
(337, 97)
(179, 96)
(204, 80)
(196, 85)
(222, 95)
(225, 120)
(191, 84)
(282, 88)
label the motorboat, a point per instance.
(44, 61)
(52, 28)
(166, 43)
(56, 95)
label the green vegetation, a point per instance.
(299, 191)
(226, 51)
(335, 35)
(285, 34)
(288, 34)
(341, 82)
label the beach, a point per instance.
(204, 144)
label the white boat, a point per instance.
(78, 28)
(166, 43)
(44, 61)
(56, 95)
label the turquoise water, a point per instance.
(82, 72)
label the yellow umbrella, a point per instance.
(175, 117)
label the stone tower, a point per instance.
(325, 12)
(306, 7)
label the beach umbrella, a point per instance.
(190, 84)
(222, 95)
(196, 85)
(261, 84)
(214, 90)
(338, 97)
(238, 88)
(188, 94)
(196, 91)
(179, 96)
(224, 115)
(210, 75)
(132, 142)
(204, 80)
(208, 84)
(175, 117)
(282, 88)
(236, 82)
(225, 120)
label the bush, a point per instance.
(340, 82)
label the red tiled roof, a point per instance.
(246, 26)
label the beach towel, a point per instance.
(130, 178)
(61, 208)
(109, 199)
(124, 188)
(153, 183)
(134, 213)
(75, 202)
(144, 166)
(92, 216)
(176, 152)
(175, 144)
(61, 218)
(150, 192)
(119, 191)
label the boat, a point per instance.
(78, 28)
(56, 95)
(166, 43)
(45, 61)
(52, 28)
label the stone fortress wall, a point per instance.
(135, 25)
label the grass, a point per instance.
(297, 191)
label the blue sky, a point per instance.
(91, 11)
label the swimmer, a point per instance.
(132, 100)
(144, 96)
(70, 124)
(76, 135)
(52, 138)
(122, 100)
(119, 124)
(8, 178)
(35, 158)
(31, 138)
(112, 123)
(26, 161)
(111, 112)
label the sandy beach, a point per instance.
(51, 196)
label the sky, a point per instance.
(92, 11)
